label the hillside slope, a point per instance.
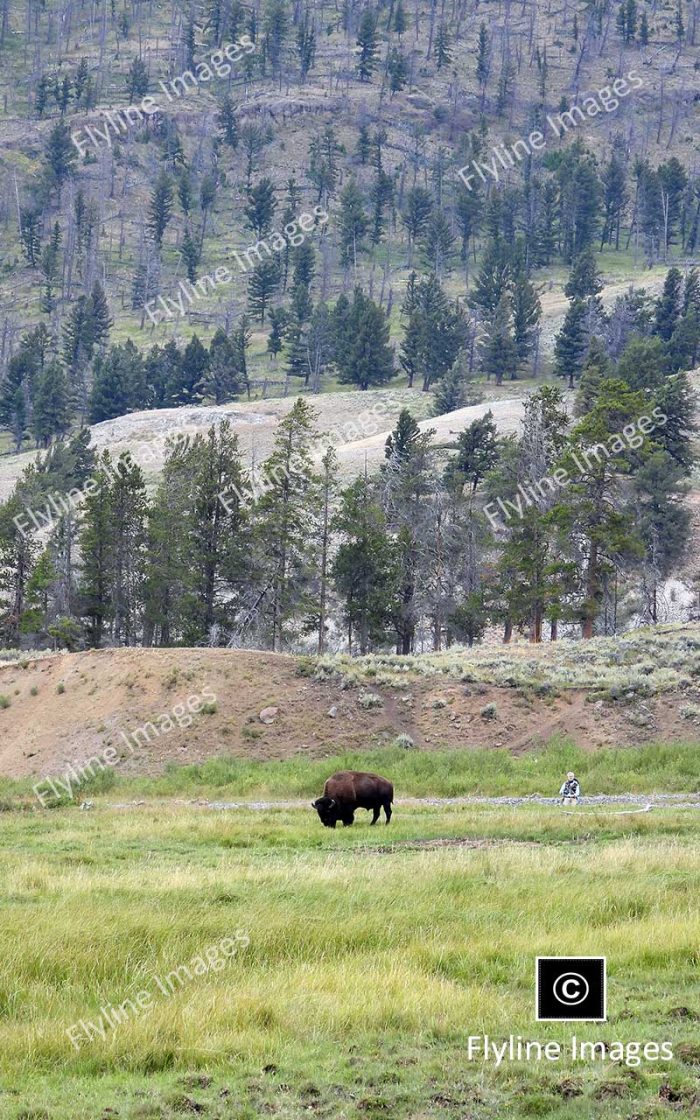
(66, 708)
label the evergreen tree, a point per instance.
(137, 80)
(477, 453)
(226, 120)
(160, 209)
(278, 325)
(584, 279)
(189, 374)
(526, 311)
(263, 283)
(499, 355)
(352, 223)
(397, 69)
(571, 343)
(306, 45)
(442, 49)
(96, 549)
(60, 154)
(364, 565)
(368, 45)
(222, 380)
(260, 207)
(365, 358)
(668, 307)
(189, 252)
(50, 410)
(286, 524)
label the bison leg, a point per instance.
(348, 820)
(387, 811)
(375, 814)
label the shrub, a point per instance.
(4, 701)
(60, 688)
(404, 741)
(369, 700)
(209, 708)
(690, 711)
(489, 711)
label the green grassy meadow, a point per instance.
(372, 956)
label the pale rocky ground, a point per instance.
(356, 423)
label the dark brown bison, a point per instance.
(349, 790)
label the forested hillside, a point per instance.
(217, 202)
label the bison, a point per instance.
(349, 790)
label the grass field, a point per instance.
(372, 956)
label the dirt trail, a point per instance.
(643, 801)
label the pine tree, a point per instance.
(222, 381)
(49, 268)
(397, 69)
(263, 284)
(368, 45)
(30, 226)
(584, 279)
(260, 207)
(477, 453)
(286, 524)
(590, 519)
(400, 19)
(439, 241)
(50, 410)
(416, 215)
(306, 45)
(364, 566)
(668, 307)
(492, 280)
(275, 31)
(137, 80)
(81, 80)
(614, 199)
(366, 358)
(96, 541)
(189, 375)
(226, 120)
(98, 320)
(127, 546)
(189, 252)
(17, 557)
(595, 370)
(482, 61)
(676, 403)
(442, 49)
(160, 209)
(499, 356)
(526, 310)
(278, 325)
(60, 155)
(571, 343)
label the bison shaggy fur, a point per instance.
(349, 790)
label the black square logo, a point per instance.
(571, 988)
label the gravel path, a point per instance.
(638, 800)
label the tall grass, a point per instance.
(418, 773)
(369, 962)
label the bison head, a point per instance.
(327, 809)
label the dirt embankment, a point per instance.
(68, 708)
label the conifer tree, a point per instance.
(286, 524)
(368, 45)
(160, 209)
(571, 343)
